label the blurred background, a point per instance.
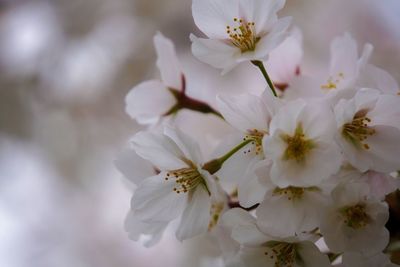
(65, 68)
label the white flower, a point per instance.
(149, 100)
(291, 211)
(284, 61)
(238, 30)
(182, 188)
(301, 144)
(250, 115)
(262, 250)
(355, 222)
(369, 130)
(360, 260)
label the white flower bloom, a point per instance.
(380, 184)
(261, 250)
(369, 130)
(151, 232)
(149, 100)
(345, 74)
(355, 222)
(182, 188)
(301, 144)
(284, 61)
(291, 211)
(238, 30)
(360, 260)
(250, 115)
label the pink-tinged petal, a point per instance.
(186, 144)
(273, 39)
(212, 16)
(344, 56)
(167, 62)
(284, 61)
(148, 101)
(374, 77)
(384, 149)
(244, 112)
(133, 167)
(261, 12)
(215, 53)
(381, 184)
(159, 149)
(154, 200)
(386, 111)
(365, 56)
(152, 232)
(196, 215)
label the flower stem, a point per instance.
(214, 165)
(260, 65)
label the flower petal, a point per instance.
(133, 167)
(214, 52)
(148, 101)
(212, 16)
(154, 200)
(196, 215)
(159, 149)
(167, 62)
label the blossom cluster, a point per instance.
(308, 161)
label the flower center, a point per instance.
(333, 82)
(243, 35)
(358, 130)
(284, 254)
(256, 137)
(292, 192)
(297, 146)
(355, 216)
(215, 212)
(186, 179)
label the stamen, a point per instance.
(283, 254)
(355, 216)
(293, 193)
(243, 36)
(256, 137)
(215, 212)
(358, 130)
(297, 146)
(186, 179)
(332, 83)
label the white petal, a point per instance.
(148, 101)
(137, 229)
(244, 112)
(154, 200)
(374, 77)
(215, 52)
(261, 12)
(196, 215)
(251, 190)
(273, 39)
(133, 166)
(311, 256)
(386, 111)
(344, 56)
(185, 143)
(212, 16)
(159, 149)
(167, 62)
